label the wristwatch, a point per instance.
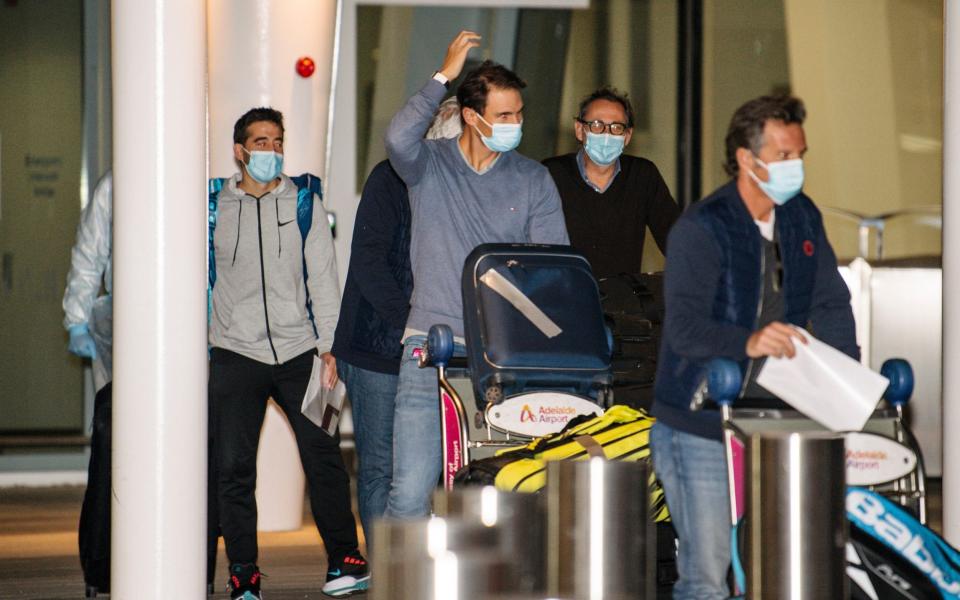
(442, 79)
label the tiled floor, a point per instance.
(38, 557)
(38, 548)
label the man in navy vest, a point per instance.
(745, 267)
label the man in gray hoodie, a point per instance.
(465, 191)
(274, 307)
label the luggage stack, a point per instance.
(633, 310)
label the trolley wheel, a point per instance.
(493, 394)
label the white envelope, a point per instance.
(322, 405)
(825, 384)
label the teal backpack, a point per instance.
(307, 185)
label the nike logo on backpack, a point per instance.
(285, 222)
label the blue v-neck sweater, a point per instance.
(455, 209)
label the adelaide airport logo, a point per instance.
(526, 414)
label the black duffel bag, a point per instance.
(633, 310)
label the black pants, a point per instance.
(239, 389)
(94, 531)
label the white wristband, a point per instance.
(438, 76)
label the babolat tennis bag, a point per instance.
(532, 321)
(891, 555)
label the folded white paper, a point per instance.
(320, 404)
(825, 384)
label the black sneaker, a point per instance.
(244, 582)
(349, 576)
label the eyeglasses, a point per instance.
(598, 126)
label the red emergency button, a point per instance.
(306, 66)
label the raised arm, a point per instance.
(404, 137)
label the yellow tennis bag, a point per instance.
(621, 433)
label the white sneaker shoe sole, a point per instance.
(346, 586)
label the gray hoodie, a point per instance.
(260, 296)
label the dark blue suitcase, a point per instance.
(533, 322)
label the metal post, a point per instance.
(951, 273)
(689, 100)
(599, 533)
(796, 527)
(159, 407)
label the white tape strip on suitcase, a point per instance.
(498, 283)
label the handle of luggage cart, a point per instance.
(722, 384)
(900, 374)
(438, 350)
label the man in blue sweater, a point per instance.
(464, 192)
(745, 266)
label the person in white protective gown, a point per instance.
(88, 318)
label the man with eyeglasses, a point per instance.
(610, 198)
(745, 267)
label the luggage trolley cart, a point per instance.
(538, 352)
(885, 457)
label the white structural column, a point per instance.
(159, 406)
(951, 273)
(253, 49)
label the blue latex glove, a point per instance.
(81, 342)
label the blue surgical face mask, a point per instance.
(505, 137)
(786, 179)
(603, 148)
(264, 166)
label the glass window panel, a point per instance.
(562, 54)
(870, 74)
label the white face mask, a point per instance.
(786, 179)
(264, 166)
(505, 136)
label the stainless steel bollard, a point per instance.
(436, 559)
(796, 526)
(520, 520)
(600, 540)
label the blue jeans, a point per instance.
(693, 472)
(417, 452)
(372, 397)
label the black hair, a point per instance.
(611, 94)
(746, 126)
(472, 92)
(252, 116)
